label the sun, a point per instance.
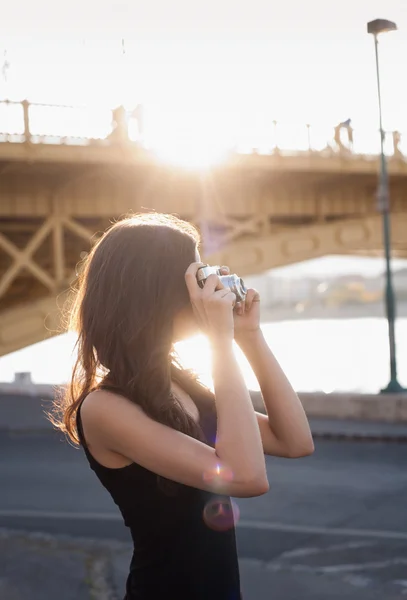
(191, 136)
(190, 156)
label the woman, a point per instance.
(169, 451)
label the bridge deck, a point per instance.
(257, 210)
(130, 154)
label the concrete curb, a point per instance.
(29, 431)
(380, 408)
(27, 403)
(384, 408)
(350, 417)
(352, 436)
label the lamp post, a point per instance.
(375, 28)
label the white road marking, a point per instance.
(368, 566)
(244, 524)
(50, 514)
(310, 529)
(300, 552)
(334, 569)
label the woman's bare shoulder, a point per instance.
(101, 396)
(118, 427)
(104, 404)
(101, 409)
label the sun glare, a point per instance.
(194, 135)
(190, 156)
(200, 100)
(195, 353)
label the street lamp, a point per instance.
(375, 28)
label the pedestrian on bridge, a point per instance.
(349, 132)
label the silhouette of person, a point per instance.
(349, 130)
(396, 143)
(119, 132)
(347, 125)
(337, 135)
(337, 138)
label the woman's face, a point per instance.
(185, 325)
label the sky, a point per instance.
(211, 75)
(216, 71)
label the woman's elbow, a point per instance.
(263, 487)
(258, 487)
(252, 488)
(301, 450)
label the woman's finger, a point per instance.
(239, 308)
(190, 278)
(251, 296)
(212, 283)
(224, 294)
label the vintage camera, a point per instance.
(233, 282)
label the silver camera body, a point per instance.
(231, 281)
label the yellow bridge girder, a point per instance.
(255, 213)
(26, 321)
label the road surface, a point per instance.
(333, 525)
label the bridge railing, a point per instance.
(25, 122)
(42, 123)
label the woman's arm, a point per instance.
(238, 439)
(113, 423)
(285, 430)
(236, 466)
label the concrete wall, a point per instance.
(364, 407)
(24, 412)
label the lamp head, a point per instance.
(380, 26)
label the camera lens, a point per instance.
(240, 289)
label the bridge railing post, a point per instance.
(308, 126)
(26, 113)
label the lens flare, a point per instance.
(219, 474)
(221, 514)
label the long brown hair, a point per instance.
(129, 290)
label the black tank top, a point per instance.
(184, 538)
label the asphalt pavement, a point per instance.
(332, 526)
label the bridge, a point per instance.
(257, 209)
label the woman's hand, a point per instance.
(212, 305)
(246, 314)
